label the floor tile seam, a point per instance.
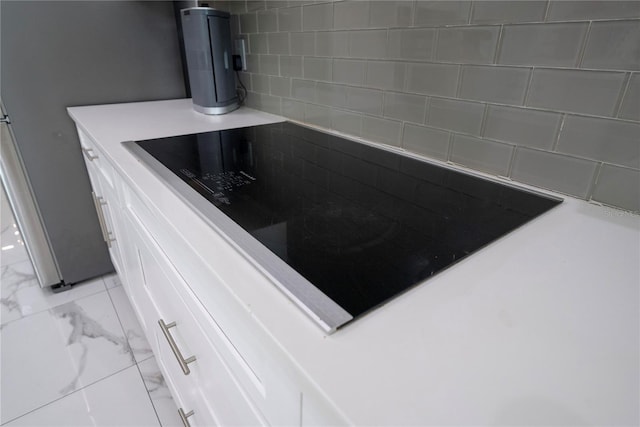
(144, 384)
(69, 394)
(124, 331)
(2, 325)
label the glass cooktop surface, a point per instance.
(360, 223)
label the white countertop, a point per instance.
(540, 327)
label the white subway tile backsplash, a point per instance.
(317, 68)
(394, 13)
(561, 10)
(332, 43)
(293, 109)
(303, 90)
(554, 171)
(290, 19)
(253, 63)
(267, 21)
(610, 141)
(618, 186)
(280, 86)
(269, 64)
(302, 43)
(331, 95)
(368, 44)
(363, 100)
(278, 43)
(403, 106)
(258, 43)
(578, 91)
(381, 130)
(317, 115)
(504, 85)
(613, 45)
(428, 141)
(455, 115)
(467, 44)
(556, 45)
(349, 71)
(522, 126)
(291, 66)
(249, 23)
(346, 122)
(317, 17)
(385, 75)
(508, 12)
(260, 83)
(530, 88)
(416, 43)
(432, 79)
(630, 108)
(254, 5)
(438, 13)
(351, 14)
(481, 154)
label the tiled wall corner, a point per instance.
(545, 92)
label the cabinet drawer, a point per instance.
(254, 360)
(183, 338)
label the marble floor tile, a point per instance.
(159, 392)
(119, 400)
(133, 331)
(21, 295)
(50, 354)
(111, 281)
(12, 247)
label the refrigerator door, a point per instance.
(25, 210)
(56, 54)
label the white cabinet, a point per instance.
(220, 364)
(103, 181)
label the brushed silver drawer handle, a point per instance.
(184, 417)
(106, 234)
(87, 152)
(184, 363)
(103, 225)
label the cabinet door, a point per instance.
(192, 365)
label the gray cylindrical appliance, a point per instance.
(207, 45)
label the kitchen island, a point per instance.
(539, 327)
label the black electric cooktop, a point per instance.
(361, 224)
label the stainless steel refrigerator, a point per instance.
(57, 54)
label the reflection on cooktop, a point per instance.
(360, 223)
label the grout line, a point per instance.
(512, 161)
(414, 13)
(471, 10)
(546, 11)
(434, 45)
(459, 82)
(496, 56)
(527, 91)
(427, 110)
(622, 96)
(69, 394)
(450, 147)
(594, 181)
(554, 147)
(144, 384)
(483, 122)
(583, 48)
